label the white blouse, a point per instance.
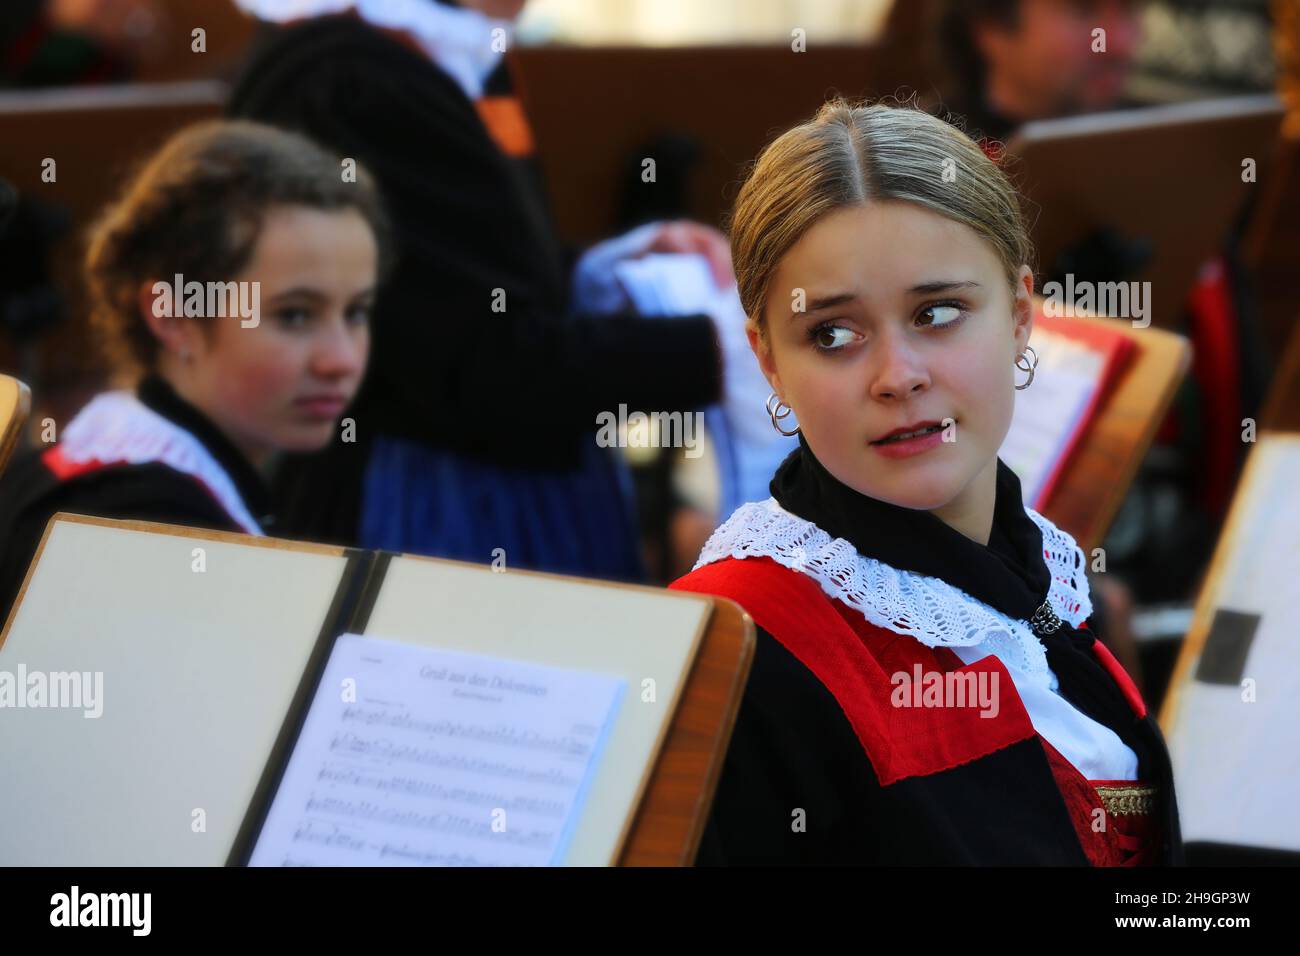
(938, 614)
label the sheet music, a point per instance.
(415, 756)
(1049, 413)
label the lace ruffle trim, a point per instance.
(926, 608)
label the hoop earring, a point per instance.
(776, 415)
(1029, 366)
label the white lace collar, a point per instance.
(926, 608)
(456, 38)
(117, 427)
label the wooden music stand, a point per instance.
(15, 406)
(1093, 486)
(671, 818)
(677, 792)
(669, 822)
(1132, 171)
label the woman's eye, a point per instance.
(941, 315)
(831, 338)
(293, 318)
(359, 315)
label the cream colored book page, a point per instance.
(197, 669)
(1235, 737)
(646, 636)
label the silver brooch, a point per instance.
(1045, 620)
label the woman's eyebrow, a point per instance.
(922, 288)
(825, 302)
(299, 292)
(942, 285)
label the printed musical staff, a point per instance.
(437, 759)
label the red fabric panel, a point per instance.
(1120, 676)
(64, 469)
(1082, 803)
(856, 660)
(1215, 367)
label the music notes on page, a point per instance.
(415, 756)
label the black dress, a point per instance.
(800, 744)
(31, 490)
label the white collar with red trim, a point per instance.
(118, 428)
(939, 615)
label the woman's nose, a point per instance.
(339, 352)
(899, 372)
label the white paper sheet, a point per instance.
(748, 448)
(1048, 413)
(415, 756)
(1236, 755)
(664, 284)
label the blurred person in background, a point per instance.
(476, 430)
(216, 396)
(75, 42)
(1006, 62)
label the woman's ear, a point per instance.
(166, 318)
(763, 352)
(1023, 307)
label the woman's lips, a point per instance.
(911, 429)
(322, 406)
(907, 447)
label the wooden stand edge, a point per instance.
(668, 824)
(1100, 471)
(15, 406)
